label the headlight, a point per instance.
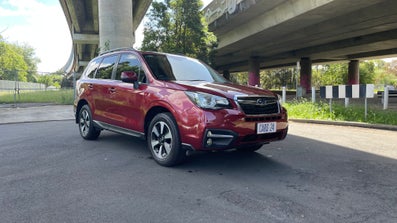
(208, 101)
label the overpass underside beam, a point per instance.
(80, 38)
(281, 32)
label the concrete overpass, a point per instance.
(97, 25)
(260, 34)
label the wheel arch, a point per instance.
(153, 112)
(80, 104)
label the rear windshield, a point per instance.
(180, 68)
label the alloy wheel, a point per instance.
(161, 140)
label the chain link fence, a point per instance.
(13, 91)
(18, 86)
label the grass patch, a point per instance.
(64, 97)
(354, 113)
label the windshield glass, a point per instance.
(180, 68)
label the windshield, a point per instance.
(180, 68)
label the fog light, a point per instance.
(209, 134)
(209, 142)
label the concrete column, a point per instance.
(306, 74)
(354, 72)
(226, 75)
(115, 24)
(253, 72)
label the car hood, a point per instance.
(229, 90)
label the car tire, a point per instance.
(86, 124)
(163, 140)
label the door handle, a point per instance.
(112, 90)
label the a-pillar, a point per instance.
(254, 72)
(306, 74)
(353, 72)
(226, 74)
(115, 24)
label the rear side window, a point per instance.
(105, 69)
(91, 68)
(129, 62)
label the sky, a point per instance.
(42, 25)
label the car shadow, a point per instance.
(225, 160)
(293, 155)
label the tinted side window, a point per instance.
(129, 62)
(106, 68)
(91, 68)
(160, 67)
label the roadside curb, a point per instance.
(352, 124)
(36, 121)
(29, 113)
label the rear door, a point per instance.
(88, 84)
(103, 89)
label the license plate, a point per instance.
(266, 127)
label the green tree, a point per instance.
(277, 78)
(367, 71)
(17, 59)
(46, 79)
(386, 73)
(239, 78)
(54, 79)
(12, 64)
(178, 26)
(31, 61)
(337, 73)
(156, 31)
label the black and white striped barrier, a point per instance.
(347, 92)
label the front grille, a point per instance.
(258, 105)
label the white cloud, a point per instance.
(41, 26)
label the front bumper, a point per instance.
(228, 129)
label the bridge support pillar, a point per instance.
(226, 74)
(306, 74)
(354, 72)
(115, 24)
(254, 72)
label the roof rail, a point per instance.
(116, 49)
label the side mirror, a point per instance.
(130, 77)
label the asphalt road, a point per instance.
(320, 173)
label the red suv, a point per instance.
(176, 103)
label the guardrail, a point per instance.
(392, 94)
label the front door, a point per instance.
(127, 101)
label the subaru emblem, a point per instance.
(261, 101)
